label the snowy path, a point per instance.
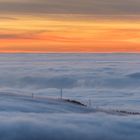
(14, 102)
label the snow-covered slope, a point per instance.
(22, 103)
(27, 118)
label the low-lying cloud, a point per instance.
(27, 118)
(54, 82)
(134, 75)
(67, 127)
(38, 71)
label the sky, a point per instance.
(69, 26)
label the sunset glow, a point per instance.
(68, 32)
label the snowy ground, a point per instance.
(106, 83)
(24, 117)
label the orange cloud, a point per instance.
(46, 34)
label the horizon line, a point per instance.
(33, 52)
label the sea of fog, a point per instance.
(105, 82)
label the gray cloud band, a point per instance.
(96, 7)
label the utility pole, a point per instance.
(90, 105)
(32, 95)
(61, 93)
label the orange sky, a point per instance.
(69, 26)
(68, 32)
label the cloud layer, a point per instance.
(93, 7)
(110, 80)
(68, 71)
(67, 127)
